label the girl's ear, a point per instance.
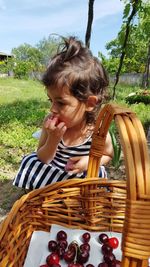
(91, 102)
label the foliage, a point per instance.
(28, 59)
(141, 96)
(116, 160)
(137, 45)
(47, 48)
(3, 67)
(140, 109)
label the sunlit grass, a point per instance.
(23, 105)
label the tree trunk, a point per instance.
(89, 24)
(127, 31)
(145, 82)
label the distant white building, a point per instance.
(4, 56)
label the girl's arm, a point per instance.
(52, 133)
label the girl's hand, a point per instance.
(52, 132)
(54, 128)
(77, 164)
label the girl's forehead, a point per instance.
(58, 91)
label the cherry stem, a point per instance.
(76, 245)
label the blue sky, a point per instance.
(29, 21)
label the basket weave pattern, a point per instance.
(92, 203)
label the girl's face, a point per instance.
(66, 107)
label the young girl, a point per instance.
(75, 82)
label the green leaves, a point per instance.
(138, 40)
(126, 11)
(116, 161)
(140, 96)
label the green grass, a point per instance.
(23, 105)
(141, 110)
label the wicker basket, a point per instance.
(93, 204)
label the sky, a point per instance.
(29, 21)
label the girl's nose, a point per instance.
(53, 108)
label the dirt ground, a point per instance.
(9, 194)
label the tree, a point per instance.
(89, 24)
(28, 59)
(136, 52)
(134, 5)
(47, 48)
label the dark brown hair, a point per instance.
(75, 66)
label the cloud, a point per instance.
(31, 20)
(2, 5)
(45, 15)
(107, 8)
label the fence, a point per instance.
(129, 78)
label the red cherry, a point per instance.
(86, 237)
(103, 238)
(109, 258)
(83, 256)
(61, 235)
(116, 263)
(63, 244)
(75, 265)
(106, 249)
(85, 246)
(113, 242)
(44, 265)
(103, 264)
(69, 256)
(52, 258)
(52, 245)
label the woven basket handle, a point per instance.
(136, 234)
(134, 146)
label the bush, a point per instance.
(141, 96)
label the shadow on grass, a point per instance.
(9, 194)
(30, 112)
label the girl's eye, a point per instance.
(60, 103)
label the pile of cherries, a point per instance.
(108, 244)
(77, 256)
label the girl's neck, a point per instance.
(76, 136)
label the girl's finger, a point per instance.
(46, 123)
(61, 125)
(51, 123)
(75, 159)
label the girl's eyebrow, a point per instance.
(61, 98)
(57, 98)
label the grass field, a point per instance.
(23, 105)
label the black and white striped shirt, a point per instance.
(34, 174)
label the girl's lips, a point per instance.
(57, 119)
